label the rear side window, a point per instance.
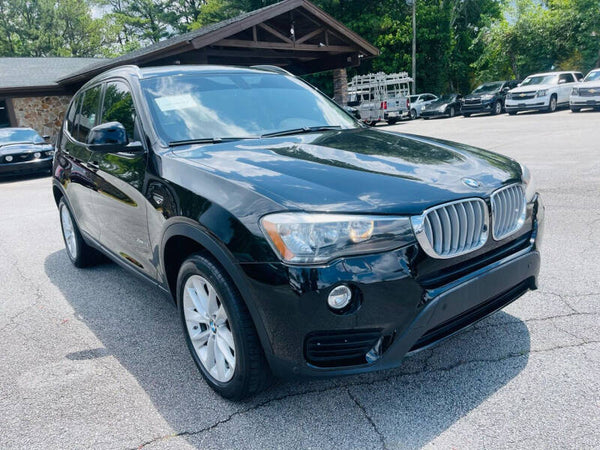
(72, 114)
(89, 110)
(567, 77)
(118, 106)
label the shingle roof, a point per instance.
(39, 72)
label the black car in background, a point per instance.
(23, 150)
(293, 239)
(488, 98)
(448, 105)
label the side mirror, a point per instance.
(108, 137)
(505, 89)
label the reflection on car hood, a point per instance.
(478, 96)
(360, 170)
(23, 147)
(589, 84)
(533, 87)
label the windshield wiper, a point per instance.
(302, 130)
(214, 140)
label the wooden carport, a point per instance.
(293, 34)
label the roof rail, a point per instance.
(271, 68)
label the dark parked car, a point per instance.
(23, 150)
(488, 98)
(448, 105)
(293, 239)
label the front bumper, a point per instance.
(584, 102)
(434, 113)
(400, 309)
(535, 103)
(31, 166)
(476, 108)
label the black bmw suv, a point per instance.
(293, 239)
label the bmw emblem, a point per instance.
(471, 182)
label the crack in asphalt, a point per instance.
(366, 414)
(347, 386)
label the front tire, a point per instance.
(219, 331)
(553, 104)
(497, 108)
(452, 111)
(80, 254)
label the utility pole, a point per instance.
(414, 46)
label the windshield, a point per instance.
(488, 87)
(446, 98)
(237, 105)
(13, 135)
(593, 76)
(540, 79)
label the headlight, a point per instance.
(575, 91)
(49, 152)
(528, 182)
(318, 238)
(542, 93)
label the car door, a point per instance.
(119, 200)
(565, 85)
(80, 181)
(427, 99)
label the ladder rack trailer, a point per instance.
(380, 96)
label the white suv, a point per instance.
(542, 91)
(587, 93)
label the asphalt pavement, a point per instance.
(95, 358)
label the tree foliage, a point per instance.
(459, 42)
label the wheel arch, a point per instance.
(183, 237)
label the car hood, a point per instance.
(359, 170)
(589, 84)
(534, 87)
(478, 96)
(23, 147)
(438, 103)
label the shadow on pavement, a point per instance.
(406, 407)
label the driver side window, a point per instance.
(118, 107)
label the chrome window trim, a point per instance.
(418, 225)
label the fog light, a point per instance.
(50, 153)
(8, 158)
(37, 154)
(339, 297)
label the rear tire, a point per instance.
(413, 114)
(512, 113)
(467, 114)
(211, 307)
(452, 111)
(80, 254)
(392, 121)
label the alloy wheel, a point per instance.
(209, 329)
(68, 232)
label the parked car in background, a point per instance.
(448, 105)
(417, 102)
(23, 150)
(542, 92)
(587, 93)
(293, 239)
(487, 98)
